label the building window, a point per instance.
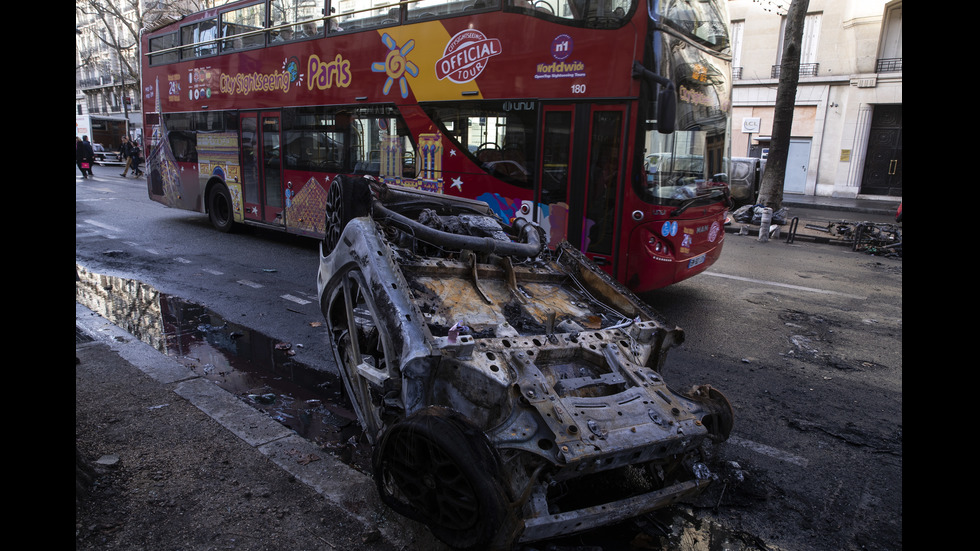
(737, 29)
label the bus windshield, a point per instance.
(679, 168)
(700, 20)
(688, 166)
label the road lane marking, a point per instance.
(297, 300)
(104, 226)
(785, 285)
(767, 450)
(213, 272)
(251, 284)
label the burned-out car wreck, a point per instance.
(502, 384)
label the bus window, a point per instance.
(426, 9)
(684, 166)
(181, 137)
(243, 20)
(595, 13)
(294, 20)
(701, 21)
(499, 136)
(182, 130)
(315, 140)
(556, 146)
(163, 42)
(272, 167)
(204, 32)
(314, 150)
(604, 166)
(370, 140)
(250, 161)
(362, 14)
(184, 146)
(382, 144)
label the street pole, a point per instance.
(125, 105)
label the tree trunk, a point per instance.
(771, 188)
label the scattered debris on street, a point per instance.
(875, 238)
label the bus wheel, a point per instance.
(346, 199)
(438, 469)
(219, 208)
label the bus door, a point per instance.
(262, 166)
(581, 176)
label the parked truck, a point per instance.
(105, 131)
(744, 179)
(511, 392)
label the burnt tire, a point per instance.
(437, 469)
(220, 210)
(347, 198)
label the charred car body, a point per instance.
(501, 382)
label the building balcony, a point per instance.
(112, 111)
(889, 65)
(101, 82)
(806, 70)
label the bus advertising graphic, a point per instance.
(291, 67)
(328, 72)
(396, 65)
(466, 56)
(561, 49)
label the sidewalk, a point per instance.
(820, 212)
(858, 206)
(183, 464)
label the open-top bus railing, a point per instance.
(386, 16)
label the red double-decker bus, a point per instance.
(605, 121)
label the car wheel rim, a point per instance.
(334, 216)
(421, 473)
(357, 343)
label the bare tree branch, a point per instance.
(116, 25)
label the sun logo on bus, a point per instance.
(396, 65)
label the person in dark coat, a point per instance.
(136, 157)
(124, 152)
(84, 156)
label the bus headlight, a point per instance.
(657, 247)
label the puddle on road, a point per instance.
(246, 363)
(253, 367)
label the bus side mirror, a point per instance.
(666, 98)
(666, 109)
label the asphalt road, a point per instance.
(804, 339)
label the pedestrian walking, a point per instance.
(84, 156)
(136, 155)
(124, 151)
